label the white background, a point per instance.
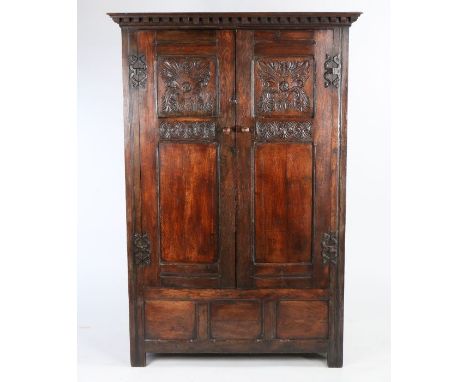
(38, 199)
(102, 275)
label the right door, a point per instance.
(286, 139)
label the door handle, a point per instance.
(228, 130)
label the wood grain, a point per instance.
(188, 202)
(302, 319)
(169, 320)
(283, 174)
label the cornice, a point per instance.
(294, 20)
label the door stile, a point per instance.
(244, 52)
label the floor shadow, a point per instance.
(245, 359)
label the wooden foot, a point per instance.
(138, 360)
(335, 359)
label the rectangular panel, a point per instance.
(284, 35)
(169, 320)
(188, 202)
(302, 319)
(235, 319)
(249, 320)
(283, 203)
(184, 37)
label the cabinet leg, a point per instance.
(138, 360)
(335, 358)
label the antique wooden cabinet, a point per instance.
(235, 155)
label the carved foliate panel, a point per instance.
(187, 86)
(284, 131)
(141, 249)
(284, 86)
(329, 245)
(137, 70)
(188, 130)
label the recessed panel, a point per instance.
(188, 202)
(169, 320)
(235, 319)
(283, 203)
(283, 86)
(302, 319)
(187, 86)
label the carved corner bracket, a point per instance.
(329, 245)
(332, 74)
(138, 70)
(141, 249)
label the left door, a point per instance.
(181, 120)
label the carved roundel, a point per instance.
(187, 86)
(284, 86)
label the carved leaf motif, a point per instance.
(188, 130)
(283, 86)
(277, 130)
(186, 80)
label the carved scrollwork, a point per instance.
(187, 130)
(283, 86)
(137, 70)
(278, 130)
(141, 249)
(186, 86)
(332, 72)
(329, 245)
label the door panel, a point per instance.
(283, 203)
(187, 184)
(284, 173)
(188, 202)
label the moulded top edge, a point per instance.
(235, 20)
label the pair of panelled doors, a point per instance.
(237, 140)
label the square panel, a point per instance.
(187, 86)
(169, 320)
(302, 319)
(283, 86)
(235, 319)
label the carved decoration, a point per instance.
(283, 86)
(137, 69)
(187, 130)
(223, 20)
(332, 72)
(329, 247)
(277, 130)
(186, 89)
(141, 249)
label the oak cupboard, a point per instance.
(235, 155)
